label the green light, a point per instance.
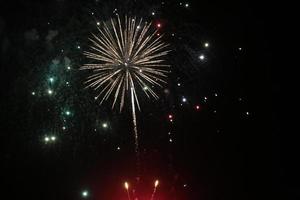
(51, 79)
(68, 113)
(50, 91)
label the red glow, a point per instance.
(158, 25)
(170, 116)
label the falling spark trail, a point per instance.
(135, 132)
(154, 190)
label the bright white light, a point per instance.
(68, 67)
(186, 5)
(85, 193)
(201, 57)
(206, 44)
(145, 88)
(178, 84)
(153, 13)
(68, 112)
(247, 113)
(170, 140)
(183, 99)
(104, 125)
(33, 93)
(240, 49)
(98, 23)
(50, 91)
(126, 185)
(156, 183)
(51, 79)
(46, 139)
(118, 148)
(53, 138)
(216, 94)
(63, 128)
(78, 47)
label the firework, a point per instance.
(126, 56)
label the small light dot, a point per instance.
(240, 49)
(78, 47)
(158, 25)
(206, 44)
(197, 107)
(138, 27)
(63, 128)
(68, 112)
(118, 148)
(184, 99)
(205, 98)
(50, 91)
(53, 138)
(51, 79)
(46, 139)
(247, 113)
(84, 193)
(153, 13)
(170, 140)
(178, 84)
(33, 93)
(184, 185)
(170, 116)
(145, 88)
(186, 5)
(98, 23)
(201, 57)
(216, 94)
(104, 125)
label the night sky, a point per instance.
(213, 134)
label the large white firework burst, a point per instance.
(126, 55)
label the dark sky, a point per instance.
(228, 149)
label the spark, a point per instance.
(126, 185)
(85, 193)
(201, 57)
(126, 56)
(154, 190)
(104, 125)
(50, 91)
